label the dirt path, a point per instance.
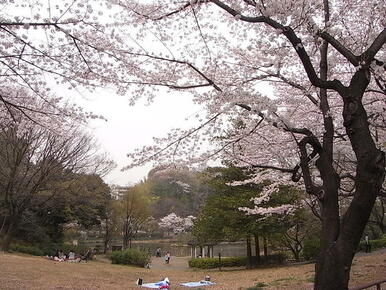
(158, 263)
(177, 263)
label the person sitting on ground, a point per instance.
(165, 284)
(59, 256)
(158, 252)
(71, 255)
(87, 256)
(62, 255)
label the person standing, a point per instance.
(367, 243)
(167, 257)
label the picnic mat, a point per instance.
(156, 285)
(197, 284)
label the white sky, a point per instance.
(129, 127)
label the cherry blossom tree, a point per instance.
(322, 123)
(176, 224)
(60, 45)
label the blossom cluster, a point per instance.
(175, 223)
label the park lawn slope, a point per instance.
(28, 272)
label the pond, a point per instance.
(227, 249)
(234, 249)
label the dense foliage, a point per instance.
(223, 215)
(31, 250)
(177, 190)
(311, 249)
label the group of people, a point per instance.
(167, 255)
(60, 256)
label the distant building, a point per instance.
(117, 192)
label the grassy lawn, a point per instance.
(27, 272)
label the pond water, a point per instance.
(227, 249)
(235, 249)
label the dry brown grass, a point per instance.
(27, 272)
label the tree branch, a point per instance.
(303, 131)
(352, 58)
(377, 44)
(290, 34)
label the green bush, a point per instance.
(31, 250)
(278, 258)
(210, 263)
(311, 249)
(130, 257)
(51, 248)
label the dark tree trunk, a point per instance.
(257, 248)
(3, 224)
(105, 246)
(125, 242)
(107, 237)
(265, 246)
(249, 252)
(339, 240)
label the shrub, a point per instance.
(210, 263)
(278, 258)
(130, 257)
(375, 244)
(311, 249)
(31, 250)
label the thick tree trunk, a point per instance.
(335, 259)
(340, 241)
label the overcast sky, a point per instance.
(129, 127)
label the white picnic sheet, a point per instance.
(197, 284)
